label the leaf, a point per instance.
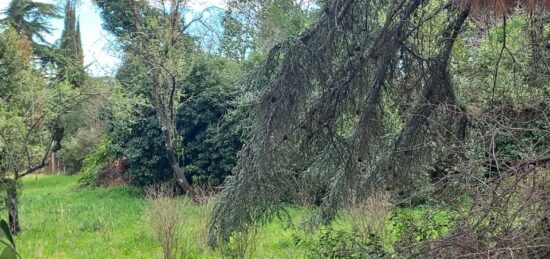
(6, 230)
(8, 253)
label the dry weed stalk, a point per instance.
(370, 214)
(203, 202)
(166, 219)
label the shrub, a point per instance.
(371, 214)
(95, 161)
(76, 148)
(165, 217)
(242, 244)
(332, 243)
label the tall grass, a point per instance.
(370, 214)
(61, 220)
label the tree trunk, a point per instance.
(172, 158)
(12, 206)
(54, 169)
(538, 62)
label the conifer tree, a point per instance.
(72, 57)
(31, 21)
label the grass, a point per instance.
(61, 220)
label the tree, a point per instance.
(207, 126)
(256, 26)
(365, 101)
(21, 120)
(161, 44)
(31, 21)
(323, 111)
(29, 112)
(72, 64)
(154, 39)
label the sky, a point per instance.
(99, 56)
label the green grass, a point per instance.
(61, 220)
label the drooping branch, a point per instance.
(412, 148)
(322, 107)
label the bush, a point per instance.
(165, 218)
(76, 148)
(242, 244)
(95, 161)
(400, 233)
(332, 243)
(143, 143)
(207, 125)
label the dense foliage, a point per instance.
(420, 125)
(427, 100)
(206, 126)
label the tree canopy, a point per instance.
(362, 101)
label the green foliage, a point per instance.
(72, 56)
(279, 20)
(235, 42)
(208, 124)
(207, 127)
(334, 243)
(475, 68)
(93, 162)
(6, 240)
(405, 229)
(82, 124)
(30, 18)
(63, 221)
(252, 28)
(77, 147)
(11, 76)
(13, 63)
(141, 140)
(421, 224)
(27, 107)
(117, 18)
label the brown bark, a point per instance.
(12, 207)
(54, 169)
(172, 158)
(162, 115)
(538, 62)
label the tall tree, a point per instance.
(362, 101)
(31, 20)
(257, 25)
(152, 35)
(72, 63)
(321, 111)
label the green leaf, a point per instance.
(7, 233)
(8, 253)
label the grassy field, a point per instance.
(60, 220)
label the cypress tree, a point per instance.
(72, 60)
